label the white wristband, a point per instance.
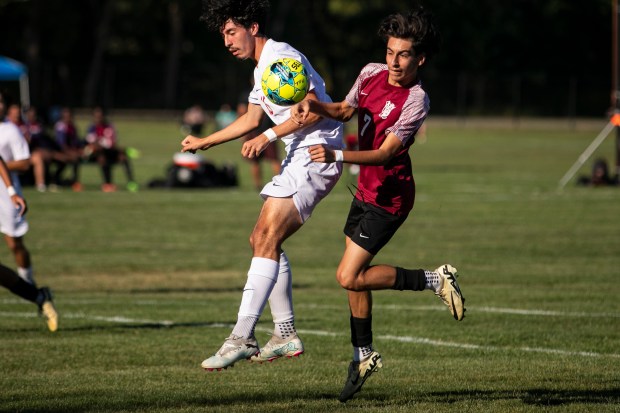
(339, 156)
(11, 190)
(270, 134)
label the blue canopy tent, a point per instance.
(12, 70)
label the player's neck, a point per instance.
(259, 44)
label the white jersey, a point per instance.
(326, 131)
(13, 147)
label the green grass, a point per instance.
(148, 284)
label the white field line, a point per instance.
(472, 310)
(401, 339)
(392, 307)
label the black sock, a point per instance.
(128, 171)
(25, 290)
(414, 280)
(361, 331)
(107, 173)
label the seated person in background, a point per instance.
(600, 175)
(14, 115)
(224, 116)
(43, 152)
(70, 146)
(101, 146)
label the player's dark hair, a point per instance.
(417, 26)
(242, 12)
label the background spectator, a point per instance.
(194, 120)
(70, 145)
(101, 147)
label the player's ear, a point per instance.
(421, 59)
(254, 28)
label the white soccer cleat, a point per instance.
(279, 347)
(450, 293)
(234, 349)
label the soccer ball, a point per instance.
(285, 82)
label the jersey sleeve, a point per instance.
(412, 116)
(369, 70)
(19, 146)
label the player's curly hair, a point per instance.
(417, 26)
(242, 12)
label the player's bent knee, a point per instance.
(347, 281)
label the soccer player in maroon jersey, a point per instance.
(391, 106)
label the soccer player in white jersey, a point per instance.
(14, 150)
(289, 198)
(391, 107)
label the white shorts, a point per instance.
(306, 181)
(11, 223)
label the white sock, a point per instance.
(26, 274)
(281, 301)
(262, 276)
(433, 281)
(360, 353)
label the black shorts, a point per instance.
(371, 227)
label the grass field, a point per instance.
(148, 285)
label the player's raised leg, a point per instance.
(441, 281)
(277, 221)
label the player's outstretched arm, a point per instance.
(240, 127)
(381, 156)
(302, 112)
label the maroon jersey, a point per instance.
(383, 109)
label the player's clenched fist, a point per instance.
(300, 111)
(319, 153)
(252, 148)
(191, 144)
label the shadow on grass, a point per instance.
(262, 400)
(537, 397)
(265, 401)
(258, 402)
(126, 326)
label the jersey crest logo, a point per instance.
(389, 107)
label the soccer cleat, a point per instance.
(450, 293)
(108, 188)
(359, 371)
(234, 349)
(279, 347)
(47, 309)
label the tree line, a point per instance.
(538, 57)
